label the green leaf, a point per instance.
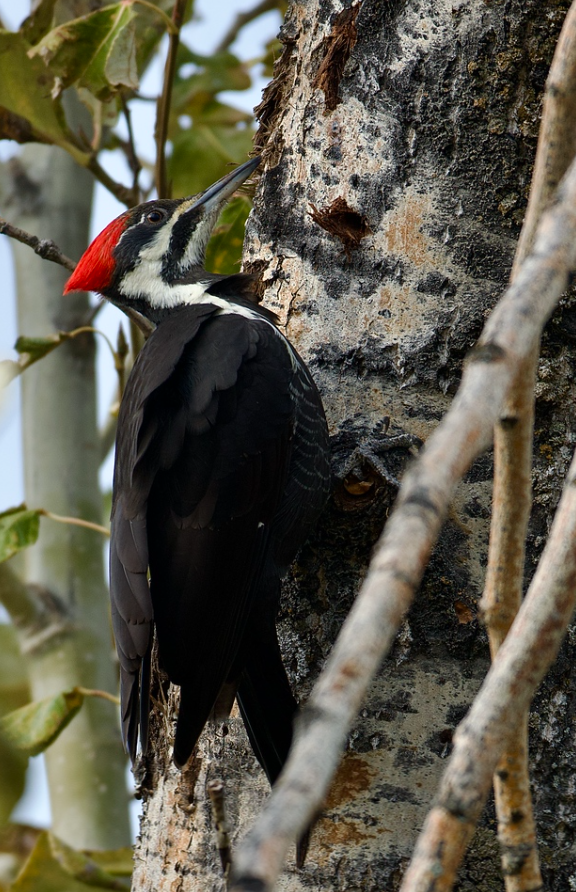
(27, 109)
(55, 867)
(150, 29)
(203, 154)
(39, 21)
(119, 862)
(96, 51)
(14, 692)
(12, 778)
(34, 727)
(212, 74)
(32, 349)
(224, 250)
(19, 528)
(14, 688)
(204, 109)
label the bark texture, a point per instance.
(398, 141)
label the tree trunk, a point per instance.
(398, 141)
(49, 196)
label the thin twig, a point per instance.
(396, 569)
(45, 248)
(163, 107)
(20, 600)
(26, 359)
(512, 479)
(528, 651)
(75, 521)
(129, 148)
(557, 137)
(170, 26)
(127, 196)
(242, 19)
(120, 355)
(103, 695)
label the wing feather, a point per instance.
(203, 448)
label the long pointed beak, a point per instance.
(217, 194)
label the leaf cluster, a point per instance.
(102, 54)
(54, 866)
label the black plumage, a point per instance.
(221, 470)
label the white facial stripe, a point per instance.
(194, 254)
(145, 281)
(158, 246)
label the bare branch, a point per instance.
(102, 695)
(36, 613)
(130, 150)
(76, 521)
(19, 599)
(396, 569)
(557, 141)
(45, 248)
(529, 649)
(163, 107)
(242, 19)
(512, 497)
(127, 196)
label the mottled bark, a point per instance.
(398, 141)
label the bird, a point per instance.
(222, 469)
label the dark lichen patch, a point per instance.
(410, 758)
(436, 283)
(343, 222)
(394, 793)
(440, 742)
(336, 49)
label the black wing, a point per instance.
(204, 443)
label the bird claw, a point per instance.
(371, 447)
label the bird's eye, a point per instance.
(154, 216)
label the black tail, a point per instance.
(267, 706)
(266, 702)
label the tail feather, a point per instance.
(267, 705)
(196, 705)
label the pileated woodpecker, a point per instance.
(222, 469)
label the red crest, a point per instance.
(96, 266)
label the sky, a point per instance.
(211, 21)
